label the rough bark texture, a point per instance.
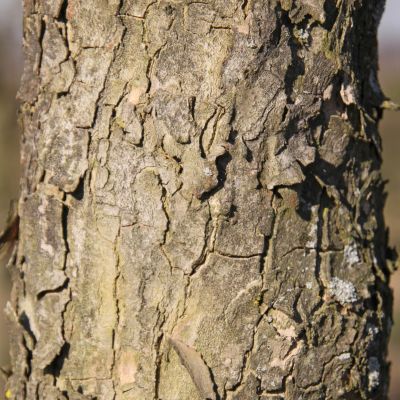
(201, 208)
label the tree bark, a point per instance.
(201, 202)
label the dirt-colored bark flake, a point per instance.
(201, 202)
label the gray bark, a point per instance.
(201, 202)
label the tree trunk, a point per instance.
(201, 202)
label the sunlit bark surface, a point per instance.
(201, 207)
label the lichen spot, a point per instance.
(207, 172)
(344, 356)
(343, 291)
(374, 368)
(351, 254)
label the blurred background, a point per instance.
(10, 71)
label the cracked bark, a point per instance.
(204, 174)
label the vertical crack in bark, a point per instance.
(221, 163)
(266, 258)
(115, 344)
(56, 366)
(41, 37)
(62, 17)
(244, 6)
(296, 67)
(203, 129)
(220, 112)
(320, 227)
(203, 260)
(245, 370)
(167, 227)
(158, 353)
